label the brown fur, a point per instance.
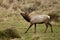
(28, 18)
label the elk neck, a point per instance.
(27, 18)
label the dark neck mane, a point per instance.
(27, 18)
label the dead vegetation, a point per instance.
(43, 6)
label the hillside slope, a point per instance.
(14, 7)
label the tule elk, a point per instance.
(39, 19)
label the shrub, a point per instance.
(10, 33)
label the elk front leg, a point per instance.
(35, 28)
(29, 28)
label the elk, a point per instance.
(38, 19)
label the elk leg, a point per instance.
(51, 27)
(28, 28)
(35, 28)
(46, 28)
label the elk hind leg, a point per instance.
(50, 26)
(46, 27)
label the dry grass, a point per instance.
(10, 16)
(12, 7)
